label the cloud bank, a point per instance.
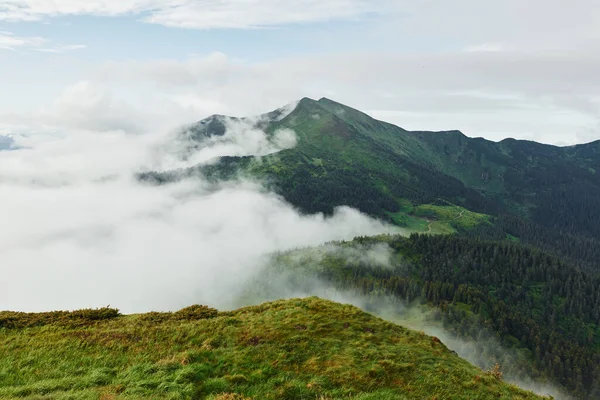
(199, 14)
(9, 41)
(548, 97)
(79, 231)
(507, 69)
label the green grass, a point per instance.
(436, 219)
(295, 349)
(410, 222)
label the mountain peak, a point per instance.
(325, 100)
(307, 100)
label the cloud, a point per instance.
(61, 48)
(550, 96)
(8, 41)
(85, 105)
(259, 13)
(202, 14)
(508, 69)
(537, 23)
(533, 25)
(242, 138)
(493, 47)
(81, 232)
(546, 96)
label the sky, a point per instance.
(94, 92)
(518, 69)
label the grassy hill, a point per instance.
(294, 349)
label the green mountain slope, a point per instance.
(295, 349)
(542, 195)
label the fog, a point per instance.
(80, 231)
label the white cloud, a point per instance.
(533, 25)
(204, 14)
(32, 10)
(85, 105)
(81, 232)
(551, 97)
(8, 41)
(259, 13)
(545, 23)
(62, 48)
(546, 96)
(493, 47)
(526, 70)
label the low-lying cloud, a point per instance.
(80, 231)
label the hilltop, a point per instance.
(292, 349)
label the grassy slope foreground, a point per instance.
(295, 349)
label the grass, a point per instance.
(410, 222)
(437, 219)
(294, 349)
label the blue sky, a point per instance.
(495, 70)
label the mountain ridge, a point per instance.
(529, 191)
(325, 100)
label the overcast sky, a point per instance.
(513, 68)
(99, 88)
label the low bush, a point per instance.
(20, 320)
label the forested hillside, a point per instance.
(544, 309)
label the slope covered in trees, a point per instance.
(544, 309)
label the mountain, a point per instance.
(293, 349)
(436, 182)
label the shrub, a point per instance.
(495, 372)
(154, 316)
(19, 320)
(196, 312)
